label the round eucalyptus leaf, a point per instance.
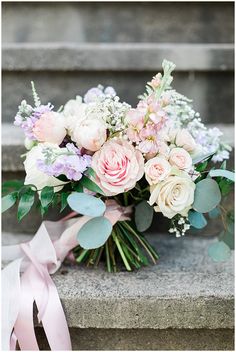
(94, 233)
(214, 213)
(207, 195)
(143, 216)
(86, 204)
(219, 251)
(196, 219)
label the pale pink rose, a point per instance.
(180, 157)
(90, 134)
(135, 119)
(156, 170)
(50, 128)
(118, 166)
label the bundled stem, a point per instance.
(125, 245)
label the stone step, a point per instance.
(161, 22)
(184, 292)
(116, 56)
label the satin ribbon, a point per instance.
(26, 280)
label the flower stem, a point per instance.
(108, 258)
(121, 252)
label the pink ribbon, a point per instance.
(27, 280)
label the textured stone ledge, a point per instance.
(185, 290)
(115, 56)
(13, 144)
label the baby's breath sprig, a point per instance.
(179, 225)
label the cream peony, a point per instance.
(36, 177)
(182, 138)
(181, 158)
(74, 112)
(50, 128)
(90, 134)
(156, 170)
(174, 195)
(118, 166)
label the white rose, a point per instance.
(90, 134)
(175, 195)
(182, 138)
(74, 111)
(156, 170)
(181, 158)
(36, 177)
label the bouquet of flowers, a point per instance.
(117, 165)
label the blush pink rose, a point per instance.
(50, 128)
(156, 170)
(118, 166)
(180, 157)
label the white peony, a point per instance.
(74, 112)
(90, 134)
(182, 138)
(36, 177)
(174, 195)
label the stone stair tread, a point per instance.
(186, 289)
(116, 56)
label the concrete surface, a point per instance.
(147, 339)
(116, 56)
(185, 290)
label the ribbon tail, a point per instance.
(53, 317)
(11, 292)
(24, 326)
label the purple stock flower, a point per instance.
(72, 165)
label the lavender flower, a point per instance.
(98, 93)
(64, 161)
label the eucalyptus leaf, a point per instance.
(94, 233)
(25, 204)
(143, 216)
(207, 195)
(219, 251)
(202, 158)
(46, 196)
(90, 185)
(8, 201)
(228, 238)
(86, 204)
(196, 219)
(214, 213)
(223, 173)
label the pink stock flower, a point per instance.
(149, 139)
(136, 122)
(118, 166)
(50, 128)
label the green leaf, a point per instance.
(86, 204)
(91, 172)
(64, 203)
(225, 186)
(12, 184)
(143, 216)
(90, 185)
(78, 187)
(219, 251)
(94, 233)
(207, 195)
(46, 196)
(228, 238)
(196, 219)
(201, 166)
(25, 204)
(222, 173)
(8, 201)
